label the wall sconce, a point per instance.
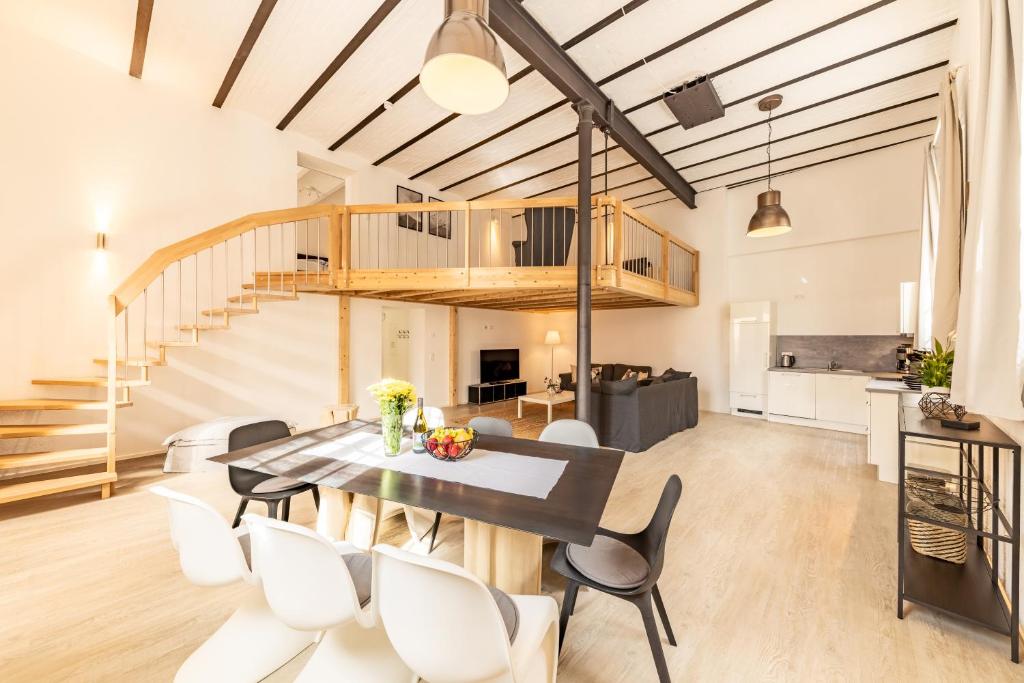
(101, 240)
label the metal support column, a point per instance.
(585, 131)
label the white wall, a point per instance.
(855, 238)
(86, 144)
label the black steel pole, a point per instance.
(585, 130)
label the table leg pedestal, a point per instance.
(332, 519)
(504, 558)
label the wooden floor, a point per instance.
(781, 566)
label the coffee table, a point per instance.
(546, 399)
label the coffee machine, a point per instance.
(903, 357)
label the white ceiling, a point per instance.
(192, 44)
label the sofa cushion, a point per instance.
(619, 387)
(619, 370)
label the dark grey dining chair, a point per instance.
(626, 566)
(492, 426)
(267, 488)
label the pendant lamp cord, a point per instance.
(769, 150)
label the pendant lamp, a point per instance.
(464, 70)
(770, 219)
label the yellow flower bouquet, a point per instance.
(394, 397)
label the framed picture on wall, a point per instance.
(439, 223)
(413, 220)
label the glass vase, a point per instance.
(391, 428)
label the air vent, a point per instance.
(695, 103)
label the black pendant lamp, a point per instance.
(770, 219)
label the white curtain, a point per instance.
(944, 217)
(989, 369)
(929, 249)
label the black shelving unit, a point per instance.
(492, 392)
(969, 591)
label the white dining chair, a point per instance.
(422, 522)
(449, 627)
(314, 585)
(252, 643)
(570, 433)
(494, 426)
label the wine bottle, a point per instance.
(419, 428)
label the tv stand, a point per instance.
(492, 392)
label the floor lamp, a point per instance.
(552, 339)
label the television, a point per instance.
(499, 365)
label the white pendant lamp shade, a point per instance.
(464, 70)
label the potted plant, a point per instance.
(936, 370)
(394, 397)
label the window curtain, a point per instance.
(944, 217)
(988, 372)
(929, 249)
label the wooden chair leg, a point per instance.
(241, 511)
(316, 498)
(272, 509)
(660, 604)
(568, 603)
(643, 603)
(286, 509)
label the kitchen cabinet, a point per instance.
(792, 394)
(841, 398)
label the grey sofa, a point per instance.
(633, 416)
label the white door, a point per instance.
(749, 348)
(396, 344)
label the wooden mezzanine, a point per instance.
(376, 251)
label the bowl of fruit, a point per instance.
(449, 443)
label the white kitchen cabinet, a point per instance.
(792, 394)
(841, 398)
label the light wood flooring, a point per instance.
(781, 566)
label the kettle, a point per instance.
(788, 359)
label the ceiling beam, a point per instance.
(522, 32)
(575, 40)
(718, 136)
(701, 32)
(354, 44)
(143, 17)
(259, 20)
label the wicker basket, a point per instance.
(932, 540)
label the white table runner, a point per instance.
(524, 475)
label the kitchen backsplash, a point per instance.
(851, 351)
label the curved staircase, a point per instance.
(444, 253)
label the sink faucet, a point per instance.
(833, 364)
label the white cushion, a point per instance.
(609, 562)
(276, 484)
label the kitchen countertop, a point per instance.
(888, 386)
(876, 374)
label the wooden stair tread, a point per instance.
(173, 342)
(203, 326)
(230, 311)
(44, 487)
(134, 363)
(27, 431)
(57, 404)
(262, 295)
(71, 456)
(88, 382)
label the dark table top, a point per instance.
(914, 423)
(571, 512)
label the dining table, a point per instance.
(511, 493)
